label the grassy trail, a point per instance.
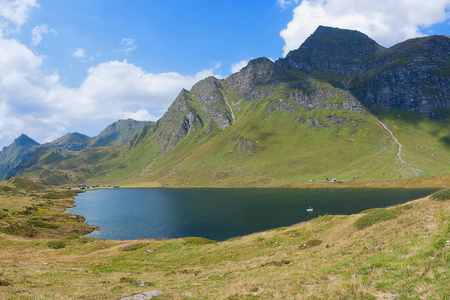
(400, 146)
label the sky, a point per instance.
(80, 65)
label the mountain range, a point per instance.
(340, 106)
(24, 147)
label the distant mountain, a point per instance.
(71, 141)
(327, 110)
(119, 133)
(25, 152)
(15, 154)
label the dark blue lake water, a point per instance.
(220, 214)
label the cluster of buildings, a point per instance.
(84, 186)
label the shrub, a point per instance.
(368, 210)
(72, 237)
(310, 243)
(132, 247)
(441, 195)
(323, 218)
(128, 280)
(40, 224)
(3, 215)
(20, 229)
(56, 244)
(375, 216)
(27, 210)
(277, 263)
(398, 210)
(85, 239)
(59, 194)
(26, 184)
(5, 188)
(198, 241)
(4, 282)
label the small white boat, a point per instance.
(309, 209)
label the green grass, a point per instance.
(423, 140)
(441, 195)
(266, 146)
(30, 209)
(56, 244)
(405, 257)
(373, 217)
(198, 241)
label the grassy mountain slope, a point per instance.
(267, 147)
(426, 143)
(118, 133)
(269, 141)
(297, 119)
(15, 154)
(71, 141)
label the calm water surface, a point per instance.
(220, 214)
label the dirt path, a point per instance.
(231, 109)
(400, 146)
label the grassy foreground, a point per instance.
(402, 251)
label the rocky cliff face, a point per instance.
(257, 73)
(119, 133)
(15, 154)
(413, 75)
(209, 93)
(332, 50)
(177, 122)
(202, 108)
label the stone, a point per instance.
(145, 295)
(143, 283)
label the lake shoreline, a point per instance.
(222, 213)
(442, 181)
(274, 261)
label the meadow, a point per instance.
(400, 252)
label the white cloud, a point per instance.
(37, 33)
(386, 21)
(38, 105)
(236, 67)
(16, 11)
(79, 53)
(139, 115)
(128, 45)
(285, 3)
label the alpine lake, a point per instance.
(220, 213)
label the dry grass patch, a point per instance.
(402, 257)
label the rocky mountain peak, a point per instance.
(257, 72)
(332, 50)
(119, 133)
(72, 141)
(25, 141)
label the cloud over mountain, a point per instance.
(386, 21)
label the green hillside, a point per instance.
(266, 142)
(321, 113)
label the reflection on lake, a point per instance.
(220, 214)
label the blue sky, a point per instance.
(163, 36)
(79, 65)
